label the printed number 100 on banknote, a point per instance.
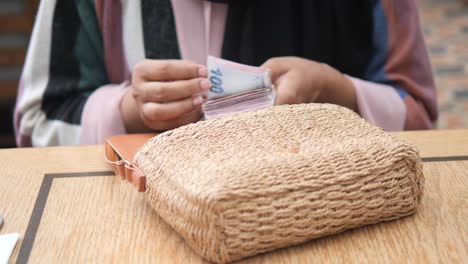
(216, 79)
(228, 78)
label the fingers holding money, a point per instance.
(172, 110)
(168, 70)
(168, 80)
(165, 94)
(284, 93)
(298, 80)
(162, 92)
(278, 66)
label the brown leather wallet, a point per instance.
(120, 150)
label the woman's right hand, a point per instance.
(164, 94)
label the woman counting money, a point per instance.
(99, 68)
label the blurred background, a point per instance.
(445, 25)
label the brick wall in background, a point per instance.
(445, 24)
(16, 21)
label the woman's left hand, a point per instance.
(299, 80)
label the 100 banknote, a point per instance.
(228, 78)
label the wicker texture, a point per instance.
(254, 182)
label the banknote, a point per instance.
(228, 78)
(238, 103)
(236, 88)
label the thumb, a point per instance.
(286, 89)
(278, 66)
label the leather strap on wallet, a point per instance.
(120, 151)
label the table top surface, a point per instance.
(68, 206)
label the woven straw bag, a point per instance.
(241, 185)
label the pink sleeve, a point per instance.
(380, 104)
(408, 64)
(101, 114)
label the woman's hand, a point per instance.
(299, 80)
(164, 94)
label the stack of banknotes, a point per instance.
(236, 88)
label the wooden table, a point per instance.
(69, 207)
